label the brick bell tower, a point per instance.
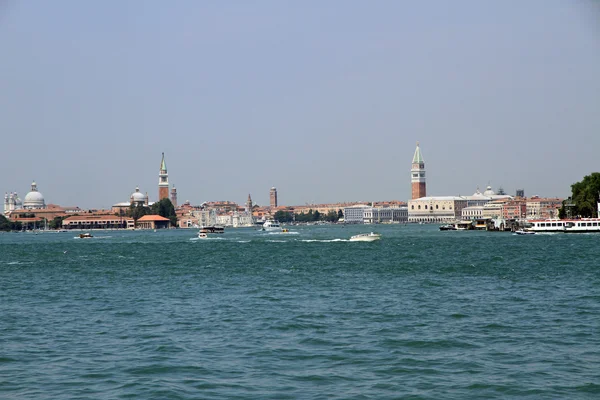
(163, 180)
(418, 175)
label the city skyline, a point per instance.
(244, 97)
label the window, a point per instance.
(426, 206)
(412, 207)
(419, 206)
(437, 206)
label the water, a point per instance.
(421, 314)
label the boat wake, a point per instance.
(324, 240)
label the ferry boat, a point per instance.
(271, 225)
(365, 237)
(212, 229)
(205, 231)
(447, 227)
(583, 225)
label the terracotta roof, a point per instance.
(153, 218)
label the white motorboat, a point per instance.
(202, 235)
(524, 232)
(271, 225)
(365, 237)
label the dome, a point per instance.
(489, 191)
(137, 196)
(34, 199)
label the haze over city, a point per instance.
(325, 101)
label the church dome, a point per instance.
(34, 199)
(489, 191)
(137, 196)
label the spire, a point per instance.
(163, 164)
(418, 158)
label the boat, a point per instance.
(85, 236)
(447, 227)
(206, 231)
(365, 237)
(271, 225)
(212, 229)
(285, 230)
(581, 225)
(524, 232)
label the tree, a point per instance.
(165, 208)
(584, 196)
(7, 225)
(137, 211)
(283, 216)
(340, 214)
(56, 223)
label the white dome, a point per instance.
(137, 196)
(34, 199)
(489, 191)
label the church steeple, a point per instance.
(163, 180)
(418, 175)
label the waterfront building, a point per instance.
(514, 209)
(493, 209)
(418, 175)
(163, 180)
(436, 209)
(543, 208)
(355, 214)
(153, 222)
(273, 197)
(472, 213)
(88, 222)
(375, 215)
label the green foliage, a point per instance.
(56, 223)
(7, 225)
(165, 208)
(136, 212)
(312, 216)
(284, 216)
(584, 196)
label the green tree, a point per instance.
(340, 214)
(56, 223)
(7, 225)
(137, 211)
(283, 216)
(584, 196)
(165, 208)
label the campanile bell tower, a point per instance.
(163, 180)
(418, 175)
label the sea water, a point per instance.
(420, 314)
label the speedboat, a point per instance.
(271, 225)
(85, 236)
(365, 237)
(202, 235)
(524, 232)
(448, 227)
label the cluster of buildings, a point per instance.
(488, 205)
(33, 210)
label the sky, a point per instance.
(324, 100)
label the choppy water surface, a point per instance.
(419, 314)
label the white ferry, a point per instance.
(271, 225)
(582, 225)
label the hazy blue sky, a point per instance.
(322, 99)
